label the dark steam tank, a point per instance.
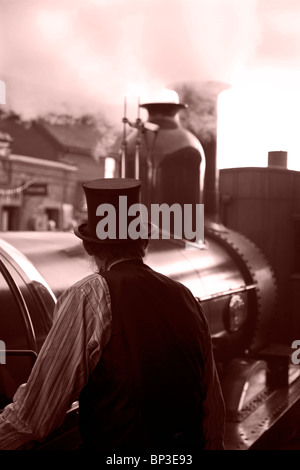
(165, 157)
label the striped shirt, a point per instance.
(81, 329)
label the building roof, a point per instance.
(45, 140)
(77, 138)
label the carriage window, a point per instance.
(13, 373)
(12, 326)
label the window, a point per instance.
(16, 335)
(14, 372)
(13, 329)
(10, 218)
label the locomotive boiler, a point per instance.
(226, 272)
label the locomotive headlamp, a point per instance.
(237, 312)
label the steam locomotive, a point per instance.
(227, 273)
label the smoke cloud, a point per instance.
(78, 56)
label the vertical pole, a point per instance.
(138, 143)
(124, 143)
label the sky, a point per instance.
(78, 56)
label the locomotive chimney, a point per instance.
(211, 182)
(277, 159)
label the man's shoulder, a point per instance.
(87, 280)
(171, 282)
(86, 284)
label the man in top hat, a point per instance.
(131, 344)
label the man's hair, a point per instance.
(114, 251)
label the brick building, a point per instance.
(42, 168)
(36, 193)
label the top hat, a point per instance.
(107, 211)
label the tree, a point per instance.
(201, 115)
